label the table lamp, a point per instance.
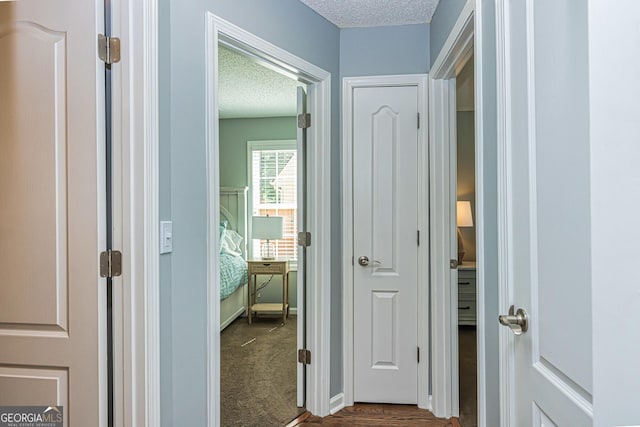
(464, 219)
(267, 228)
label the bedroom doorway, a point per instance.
(262, 192)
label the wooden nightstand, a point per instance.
(268, 267)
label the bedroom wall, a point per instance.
(234, 134)
(443, 20)
(466, 170)
(290, 25)
(466, 176)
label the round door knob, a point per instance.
(363, 261)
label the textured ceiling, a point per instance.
(374, 13)
(247, 89)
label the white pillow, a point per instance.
(231, 243)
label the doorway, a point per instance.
(317, 205)
(261, 197)
(466, 247)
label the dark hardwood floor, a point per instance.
(374, 415)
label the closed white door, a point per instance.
(50, 221)
(546, 203)
(385, 209)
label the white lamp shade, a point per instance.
(465, 218)
(266, 227)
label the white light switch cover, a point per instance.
(166, 237)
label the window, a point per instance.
(273, 173)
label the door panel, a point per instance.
(301, 284)
(385, 226)
(49, 218)
(548, 205)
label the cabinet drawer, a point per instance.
(466, 285)
(267, 268)
(466, 311)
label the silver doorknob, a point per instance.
(518, 321)
(363, 261)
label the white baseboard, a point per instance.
(336, 403)
(293, 311)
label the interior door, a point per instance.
(302, 249)
(385, 168)
(50, 221)
(546, 203)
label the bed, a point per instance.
(233, 265)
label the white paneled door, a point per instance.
(49, 217)
(546, 225)
(385, 210)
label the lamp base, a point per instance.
(268, 251)
(460, 257)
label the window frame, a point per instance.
(279, 144)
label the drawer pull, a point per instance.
(266, 265)
(464, 308)
(464, 283)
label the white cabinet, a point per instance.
(467, 293)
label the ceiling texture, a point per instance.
(249, 90)
(374, 13)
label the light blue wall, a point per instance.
(443, 20)
(164, 84)
(384, 50)
(290, 25)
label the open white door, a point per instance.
(302, 249)
(544, 197)
(51, 214)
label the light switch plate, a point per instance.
(166, 237)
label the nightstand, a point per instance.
(467, 293)
(268, 267)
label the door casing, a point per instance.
(349, 84)
(463, 40)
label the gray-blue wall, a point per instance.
(384, 50)
(288, 24)
(443, 20)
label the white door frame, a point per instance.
(463, 40)
(136, 220)
(349, 84)
(318, 219)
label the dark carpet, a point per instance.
(258, 380)
(467, 376)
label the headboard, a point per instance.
(233, 209)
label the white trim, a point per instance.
(348, 85)
(503, 95)
(480, 220)
(319, 208)
(463, 38)
(136, 112)
(336, 403)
